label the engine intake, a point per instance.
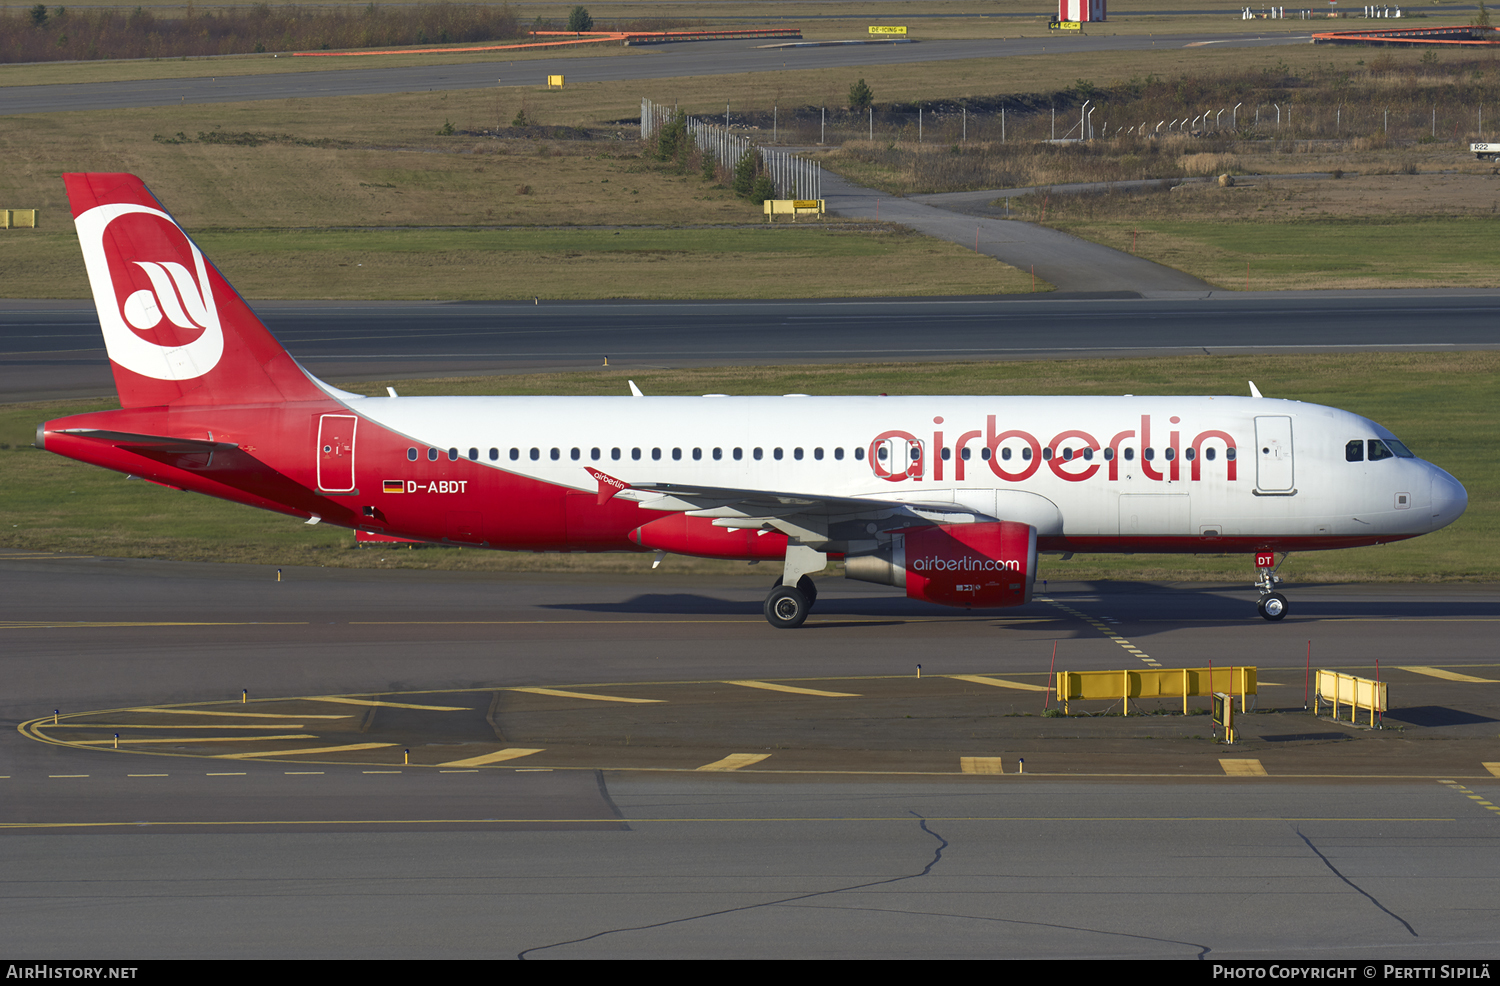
(983, 565)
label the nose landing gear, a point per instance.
(1272, 605)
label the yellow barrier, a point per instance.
(554, 80)
(793, 208)
(1346, 689)
(19, 218)
(1156, 683)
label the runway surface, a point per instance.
(656, 62)
(724, 819)
(54, 349)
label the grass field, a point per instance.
(781, 261)
(1442, 405)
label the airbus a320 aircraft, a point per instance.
(948, 498)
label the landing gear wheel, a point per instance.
(786, 607)
(1272, 606)
(807, 585)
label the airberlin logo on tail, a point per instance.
(172, 294)
(151, 288)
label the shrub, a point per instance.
(860, 96)
(579, 20)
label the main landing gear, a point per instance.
(1272, 605)
(787, 605)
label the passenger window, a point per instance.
(594, 454)
(880, 453)
(536, 454)
(718, 454)
(1088, 455)
(432, 455)
(797, 454)
(1354, 451)
(1189, 454)
(411, 455)
(818, 454)
(494, 455)
(947, 453)
(635, 454)
(614, 454)
(576, 454)
(515, 454)
(984, 454)
(453, 455)
(1109, 455)
(964, 454)
(776, 454)
(697, 454)
(473, 455)
(556, 454)
(1149, 454)
(1209, 453)
(1171, 454)
(739, 454)
(1026, 453)
(1130, 455)
(757, 454)
(859, 453)
(677, 455)
(1229, 452)
(1047, 454)
(656, 454)
(838, 453)
(1378, 450)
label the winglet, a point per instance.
(609, 486)
(634, 390)
(1254, 390)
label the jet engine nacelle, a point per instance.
(983, 565)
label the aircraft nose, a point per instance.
(1449, 499)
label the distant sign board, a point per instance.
(888, 30)
(1065, 25)
(554, 80)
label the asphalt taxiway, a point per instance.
(560, 765)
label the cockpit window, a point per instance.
(1354, 451)
(1378, 450)
(1401, 450)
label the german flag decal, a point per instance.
(393, 486)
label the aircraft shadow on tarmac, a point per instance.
(1149, 608)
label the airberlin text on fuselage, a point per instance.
(1066, 456)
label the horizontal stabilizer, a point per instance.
(150, 443)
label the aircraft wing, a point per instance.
(792, 513)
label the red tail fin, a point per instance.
(176, 332)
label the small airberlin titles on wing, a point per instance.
(897, 455)
(609, 486)
(416, 486)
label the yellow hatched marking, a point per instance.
(199, 739)
(389, 705)
(560, 693)
(735, 761)
(93, 625)
(238, 715)
(981, 765)
(980, 679)
(1243, 768)
(791, 689)
(1447, 675)
(296, 753)
(1102, 627)
(1493, 768)
(499, 756)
